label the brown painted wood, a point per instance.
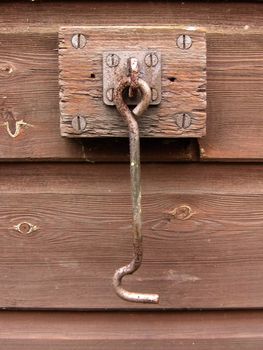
(29, 93)
(235, 103)
(202, 226)
(233, 15)
(29, 75)
(115, 330)
(183, 83)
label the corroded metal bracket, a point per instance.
(115, 68)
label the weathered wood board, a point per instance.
(29, 77)
(29, 93)
(183, 81)
(235, 98)
(240, 330)
(202, 228)
(66, 227)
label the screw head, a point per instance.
(110, 94)
(154, 94)
(151, 59)
(79, 123)
(78, 41)
(183, 120)
(184, 42)
(112, 60)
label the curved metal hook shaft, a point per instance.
(136, 188)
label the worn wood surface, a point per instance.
(29, 92)
(29, 76)
(65, 228)
(183, 82)
(202, 226)
(126, 331)
(235, 98)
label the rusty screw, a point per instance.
(112, 60)
(183, 120)
(151, 59)
(79, 123)
(78, 41)
(184, 42)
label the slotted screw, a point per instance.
(151, 59)
(79, 123)
(183, 120)
(112, 60)
(154, 94)
(110, 94)
(184, 42)
(78, 41)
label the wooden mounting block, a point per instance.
(182, 111)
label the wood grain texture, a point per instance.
(29, 76)
(126, 331)
(235, 98)
(202, 227)
(183, 81)
(233, 16)
(29, 92)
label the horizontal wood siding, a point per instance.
(128, 331)
(202, 226)
(29, 76)
(65, 223)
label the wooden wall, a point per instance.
(209, 257)
(73, 196)
(29, 75)
(115, 330)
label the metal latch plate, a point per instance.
(115, 67)
(85, 110)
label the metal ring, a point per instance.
(142, 105)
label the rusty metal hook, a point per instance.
(129, 117)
